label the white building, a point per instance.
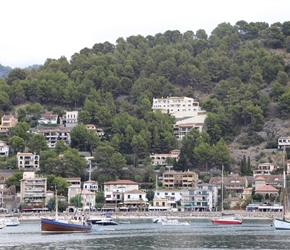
(71, 119)
(52, 136)
(114, 192)
(203, 197)
(28, 161)
(48, 118)
(166, 199)
(283, 142)
(74, 187)
(186, 111)
(4, 149)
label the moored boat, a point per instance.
(10, 221)
(78, 224)
(175, 223)
(63, 226)
(2, 226)
(225, 220)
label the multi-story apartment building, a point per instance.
(283, 142)
(264, 169)
(115, 190)
(166, 199)
(74, 187)
(4, 149)
(186, 111)
(28, 161)
(7, 122)
(203, 197)
(185, 179)
(160, 159)
(52, 136)
(71, 119)
(32, 189)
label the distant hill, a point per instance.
(5, 70)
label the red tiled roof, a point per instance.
(266, 188)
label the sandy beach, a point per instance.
(162, 214)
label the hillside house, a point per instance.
(7, 122)
(48, 118)
(4, 149)
(160, 159)
(28, 161)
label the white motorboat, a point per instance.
(158, 220)
(10, 221)
(102, 221)
(175, 223)
(2, 226)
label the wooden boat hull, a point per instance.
(226, 222)
(52, 226)
(281, 224)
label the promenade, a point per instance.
(162, 214)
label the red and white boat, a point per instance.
(225, 219)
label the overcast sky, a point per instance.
(34, 30)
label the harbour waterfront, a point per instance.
(143, 234)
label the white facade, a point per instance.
(52, 136)
(74, 187)
(203, 197)
(4, 149)
(71, 118)
(283, 142)
(48, 119)
(173, 105)
(91, 185)
(134, 196)
(186, 111)
(28, 161)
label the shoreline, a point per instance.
(161, 214)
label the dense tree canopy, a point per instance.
(240, 69)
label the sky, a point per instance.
(35, 30)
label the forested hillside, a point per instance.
(239, 74)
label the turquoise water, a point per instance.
(143, 234)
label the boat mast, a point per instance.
(284, 186)
(222, 189)
(56, 204)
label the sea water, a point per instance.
(143, 234)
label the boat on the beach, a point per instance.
(283, 224)
(78, 224)
(174, 223)
(225, 219)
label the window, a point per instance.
(129, 196)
